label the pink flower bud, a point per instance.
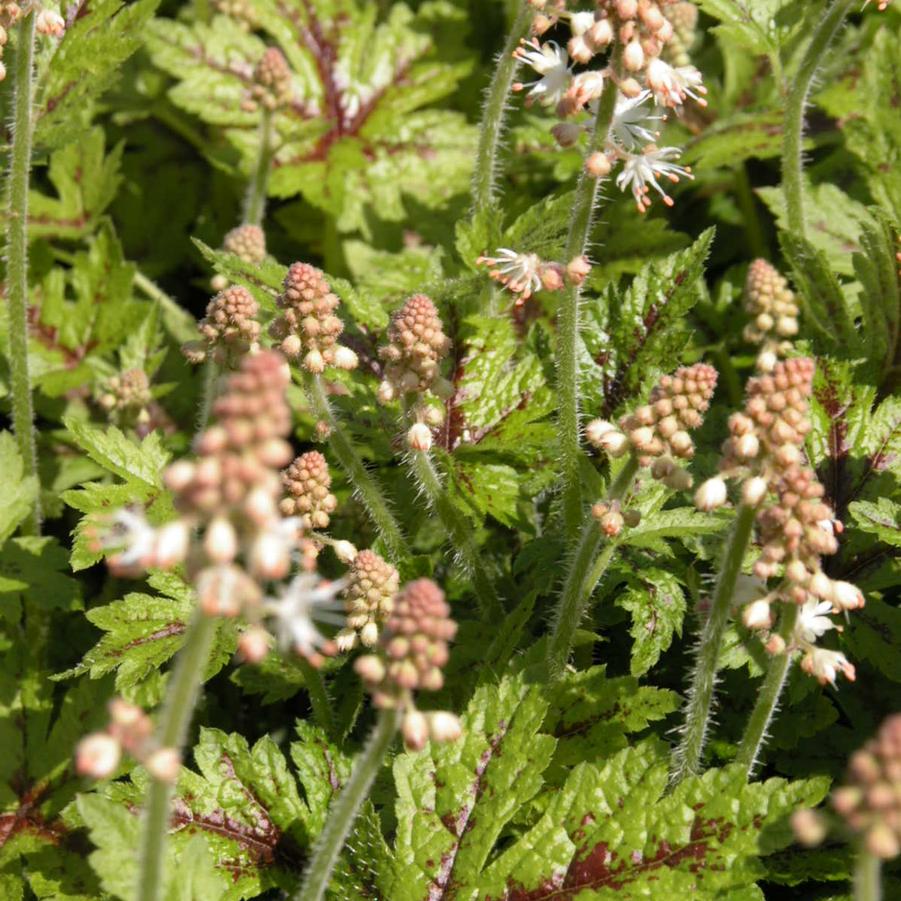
(419, 437)
(178, 476)
(809, 827)
(164, 764)
(596, 429)
(598, 165)
(444, 727)
(50, 23)
(711, 494)
(633, 56)
(757, 615)
(370, 668)
(97, 756)
(270, 557)
(753, 491)
(221, 541)
(345, 551)
(415, 730)
(846, 596)
(171, 544)
(253, 645)
(345, 358)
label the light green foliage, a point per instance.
(356, 135)
(16, 500)
(143, 632)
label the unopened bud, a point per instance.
(50, 23)
(220, 542)
(443, 726)
(753, 491)
(253, 645)
(419, 437)
(415, 730)
(97, 756)
(846, 596)
(345, 551)
(164, 764)
(345, 358)
(577, 269)
(633, 56)
(598, 165)
(757, 615)
(711, 494)
(809, 827)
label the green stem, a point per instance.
(178, 710)
(459, 531)
(867, 877)
(492, 127)
(17, 265)
(319, 699)
(365, 486)
(255, 201)
(687, 757)
(584, 574)
(344, 809)
(568, 319)
(178, 320)
(793, 126)
(748, 206)
(210, 383)
(768, 699)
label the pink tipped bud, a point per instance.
(179, 475)
(345, 551)
(345, 358)
(627, 9)
(370, 668)
(97, 756)
(846, 596)
(598, 165)
(614, 443)
(820, 585)
(577, 269)
(254, 643)
(221, 541)
(753, 491)
(796, 571)
(596, 429)
(171, 544)
(444, 727)
(385, 393)
(419, 437)
(711, 494)
(259, 506)
(270, 557)
(314, 362)
(633, 56)
(50, 23)
(122, 713)
(291, 346)
(809, 827)
(415, 730)
(757, 615)
(678, 479)
(369, 635)
(775, 645)
(747, 446)
(164, 764)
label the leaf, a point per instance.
(611, 832)
(35, 570)
(18, 491)
(84, 64)
(751, 23)
(356, 135)
(591, 714)
(882, 519)
(86, 180)
(263, 280)
(454, 800)
(657, 604)
(145, 631)
(873, 635)
(630, 336)
(681, 522)
(140, 465)
(736, 138)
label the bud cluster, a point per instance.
(638, 34)
(247, 242)
(611, 518)
(244, 12)
(412, 653)
(795, 526)
(272, 86)
(658, 432)
(416, 346)
(684, 19)
(47, 22)
(870, 802)
(307, 482)
(773, 309)
(369, 600)
(130, 731)
(525, 273)
(229, 331)
(125, 397)
(308, 328)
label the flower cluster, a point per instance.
(272, 86)
(308, 328)
(795, 526)
(126, 396)
(247, 242)
(307, 482)
(773, 309)
(870, 802)
(229, 330)
(525, 273)
(242, 11)
(416, 346)
(638, 34)
(412, 653)
(658, 431)
(130, 730)
(371, 585)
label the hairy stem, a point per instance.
(793, 124)
(344, 809)
(364, 484)
(583, 575)
(255, 200)
(319, 699)
(687, 757)
(768, 700)
(494, 114)
(211, 375)
(568, 320)
(459, 531)
(867, 876)
(178, 710)
(17, 264)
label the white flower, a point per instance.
(672, 85)
(812, 620)
(306, 599)
(519, 272)
(551, 62)
(631, 119)
(825, 665)
(136, 538)
(846, 596)
(641, 171)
